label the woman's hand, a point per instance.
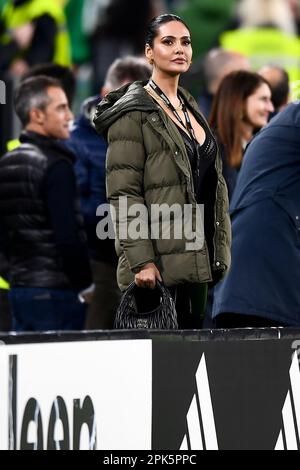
(147, 276)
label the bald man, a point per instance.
(217, 64)
(279, 84)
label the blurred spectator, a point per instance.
(262, 286)
(241, 106)
(32, 32)
(218, 63)
(90, 149)
(65, 77)
(63, 73)
(119, 31)
(266, 34)
(39, 212)
(278, 80)
(253, 13)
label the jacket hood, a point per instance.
(87, 112)
(130, 97)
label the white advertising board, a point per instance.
(76, 395)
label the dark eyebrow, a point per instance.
(62, 105)
(173, 37)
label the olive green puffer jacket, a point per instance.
(147, 162)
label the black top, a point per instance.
(203, 179)
(206, 153)
(41, 49)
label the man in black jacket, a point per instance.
(39, 210)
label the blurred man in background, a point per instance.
(90, 149)
(40, 216)
(32, 32)
(217, 64)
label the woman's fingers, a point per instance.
(147, 276)
(145, 282)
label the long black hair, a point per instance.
(155, 24)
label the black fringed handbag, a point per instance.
(163, 316)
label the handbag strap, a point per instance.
(133, 285)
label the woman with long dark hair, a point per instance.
(240, 107)
(162, 154)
